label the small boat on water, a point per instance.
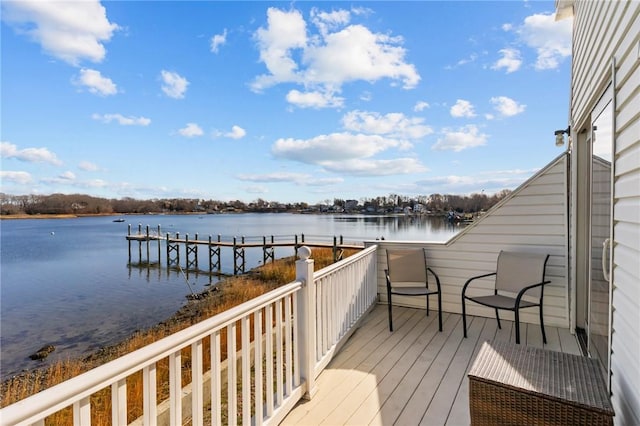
(118, 220)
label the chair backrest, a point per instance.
(516, 270)
(407, 266)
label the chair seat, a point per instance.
(412, 291)
(501, 302)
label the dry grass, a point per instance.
(227, 294)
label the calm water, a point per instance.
(68, 282)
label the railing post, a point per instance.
(306, 320)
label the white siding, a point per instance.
(533, 218)
(604, 31)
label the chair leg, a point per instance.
(498, 318)
(390, 316)
(544, 335)
(440, 311)
(427, 305)
(464, 317)
(517, 312)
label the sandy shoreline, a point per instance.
(76, 216)
(53, 216)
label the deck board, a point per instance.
(458, 411)
(413, 375)
(386, 387)
(369, 394)
(388, 412)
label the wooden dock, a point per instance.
(174, 245)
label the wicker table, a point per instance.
(519, 385)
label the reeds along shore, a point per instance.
(227, 294)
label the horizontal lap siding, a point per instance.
(625, 345)
(602, 31)
(533, 218)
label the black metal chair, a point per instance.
(516, 273)
(408, 275)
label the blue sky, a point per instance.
(283, 101)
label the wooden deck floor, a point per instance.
(415, 375)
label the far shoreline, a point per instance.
(72, 216)
(40, 216)
(78, 216)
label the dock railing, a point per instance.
(300, 326)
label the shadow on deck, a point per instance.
(415, 375)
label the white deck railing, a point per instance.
(345, 292)
(301, 326)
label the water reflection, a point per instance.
(153, 272)
(403, 227)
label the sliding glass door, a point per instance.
(600, 231)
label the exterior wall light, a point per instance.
(560, 136)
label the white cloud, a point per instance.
(21, 178)
(457, 140)
(347, 153)
(371, 167)
(323, 62)
(355, 53)
(368, 134)
(236, 132)
(290, 177)
(327, 21)
(464, 61)
(88, 166)
(510, 60)
(507, 107)
(191, 130)
(315, 99)
(68, 176)
(550, 38)
(28, 155)
(218, 40)
(7, 149)
(332, 147)
(71, 31)
(487, 182)
(122, 120)
(95, 82)
(173, 85)
(462, 108)
(94, 183)
(420, 106)
(256, 189)
(366, 96)
(285, 31)
(274, 177)
(392, 124)
(324, 181)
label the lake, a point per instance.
(69, 282)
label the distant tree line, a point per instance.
(434, 203)
(80, 204)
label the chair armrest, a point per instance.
(436, 276)
(466, 284)
(527, 288)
